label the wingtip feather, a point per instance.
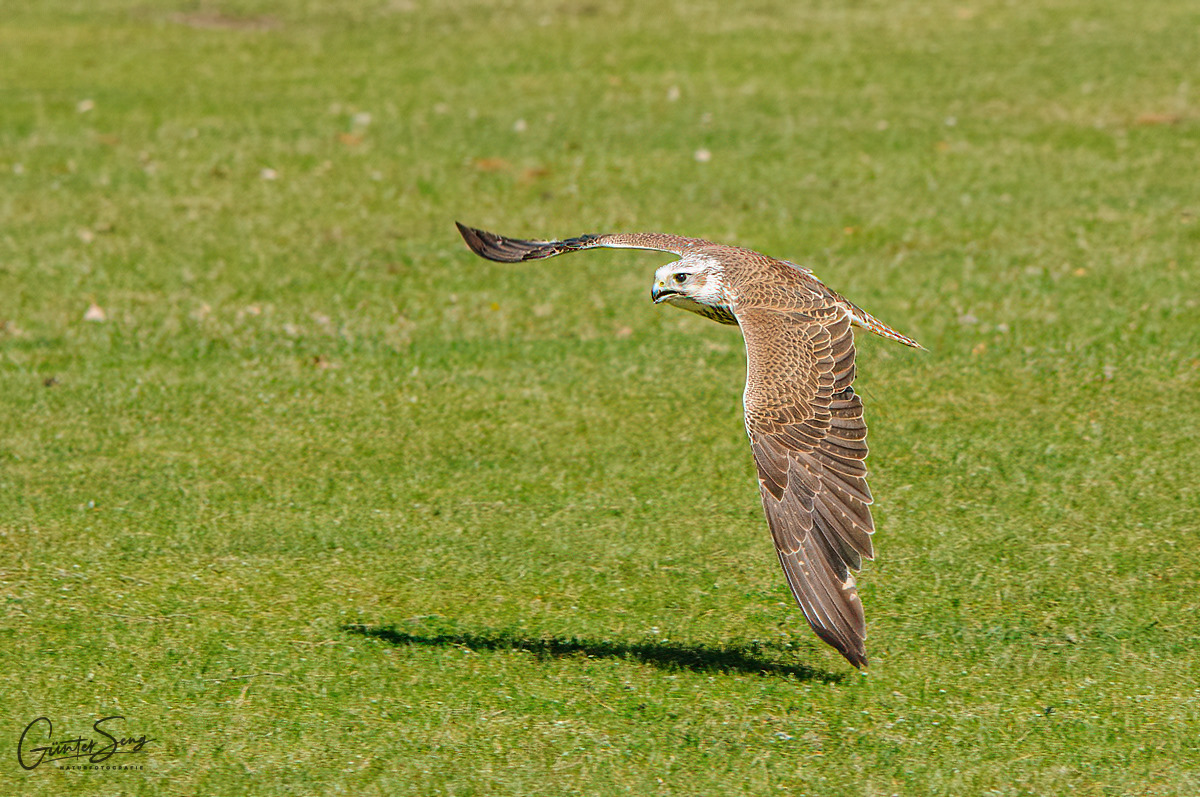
(488, 245)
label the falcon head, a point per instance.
(695, 284)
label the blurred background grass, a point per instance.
(323, 503)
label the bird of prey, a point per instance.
(803, 417)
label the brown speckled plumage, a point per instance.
(803, 417)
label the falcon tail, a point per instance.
(514, 250)
(869, 322)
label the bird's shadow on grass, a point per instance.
(751, 658)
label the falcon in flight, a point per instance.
(804, 419)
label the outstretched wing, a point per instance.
(514, 250)
(809, 441)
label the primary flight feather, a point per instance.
(803, 417)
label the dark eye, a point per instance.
(680, 278)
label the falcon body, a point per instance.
(804, 420)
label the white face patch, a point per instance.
(662, 275)
(709, 287)
(712, 290)
(701, 289)
(704, 283)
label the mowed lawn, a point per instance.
(324, 504)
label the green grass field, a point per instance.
(324, 504)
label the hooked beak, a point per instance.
(659, 292)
